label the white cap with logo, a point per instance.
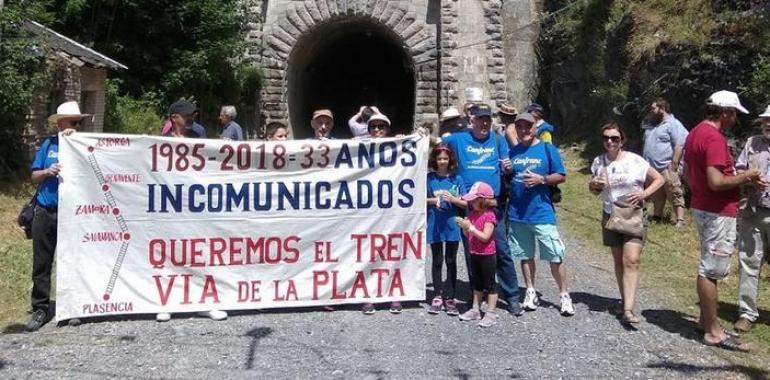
(726, 99)
(766, 113)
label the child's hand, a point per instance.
(463, 223)
(446, 196)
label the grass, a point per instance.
(672, 22)
(15, 255)
(668, 265)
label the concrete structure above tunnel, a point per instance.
(434, 50)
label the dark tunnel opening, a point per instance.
(345, 64)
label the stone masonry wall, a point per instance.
(287, 22)
(483, 43)
(521, 28)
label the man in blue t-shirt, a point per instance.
(532, 220)
(45, 172)
(482, 155)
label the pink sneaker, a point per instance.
(451, 307)
(436, 305)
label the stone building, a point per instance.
(77, 73)
(412, 59)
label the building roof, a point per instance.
(68, 48)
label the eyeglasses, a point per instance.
(615, 139)
(75, 123)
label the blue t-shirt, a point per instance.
(533, 205)
(441, 222)
(198, 130)
(231, 131)
(47, 155)
(478, 160)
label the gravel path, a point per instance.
(347, 344)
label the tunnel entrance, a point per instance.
(342, 65)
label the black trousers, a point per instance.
(484, 268)
(43, 249)
(447, 290)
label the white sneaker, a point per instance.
(215, 315)
(566, 305)
(163, 317)
(530, 300)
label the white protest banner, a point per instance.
(157, 224)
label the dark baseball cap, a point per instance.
(481, 109)
(526, 116)
(534, 107)
(181, 107)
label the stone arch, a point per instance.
(307, 20)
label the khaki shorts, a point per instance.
(673, 187)
(717, 235)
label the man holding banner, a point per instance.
(181, 115)
(482, 155)
(45, 172)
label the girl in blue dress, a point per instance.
(444, 190)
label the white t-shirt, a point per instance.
(626, 175)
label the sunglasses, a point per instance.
(75, 123)
(615, 139)
(378, 126)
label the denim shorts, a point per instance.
(717, 235)
(522, 238)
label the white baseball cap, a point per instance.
(726, 99)
(766, 113)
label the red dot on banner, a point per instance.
(116, 211)
(90, 149)
(105, 187)
(106, 296)
(126, 236)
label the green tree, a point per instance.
(187, 48)
(22, 71)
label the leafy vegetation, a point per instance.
(22, 72)
(125, 114)
(190, 49)
(605, 60)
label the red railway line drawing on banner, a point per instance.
(110, 198)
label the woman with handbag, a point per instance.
(625, 180)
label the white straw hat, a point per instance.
(67, 109)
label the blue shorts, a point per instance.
(522, 238)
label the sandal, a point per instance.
(630, 318)
(729, 343)
(731, 333)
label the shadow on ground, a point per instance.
(596, 303)
(256, 335)
(13, 328)
(674, 322)
(729, 312)
(692, 369)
